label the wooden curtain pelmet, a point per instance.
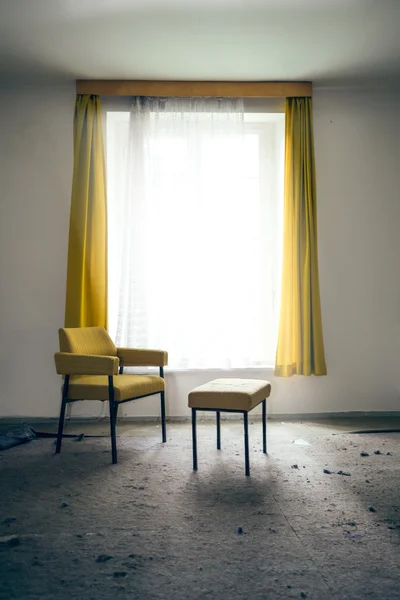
(220, 89)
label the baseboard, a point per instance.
(356, 414)
(211, 416)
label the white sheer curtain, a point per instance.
(190, 268)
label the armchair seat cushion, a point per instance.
(95, 387)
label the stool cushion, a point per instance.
(230, 394)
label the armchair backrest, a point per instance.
(86, 340)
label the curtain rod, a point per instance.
(221, 89)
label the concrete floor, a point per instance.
(74, 526)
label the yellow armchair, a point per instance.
(93, 366)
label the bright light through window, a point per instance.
(194, 240)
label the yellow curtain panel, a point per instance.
(300, 349)
(86, 299)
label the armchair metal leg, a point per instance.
(62, 414)
(113, 433)
(218, 430)
(163, 423)
(113, 419)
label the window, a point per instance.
(195, 215)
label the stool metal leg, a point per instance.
(264, 425)
(218, 430)
(194, 439)
(246, 443)
(163, 424)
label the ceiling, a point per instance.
(317, 40)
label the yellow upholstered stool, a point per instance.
(230, 395)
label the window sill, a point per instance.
(217, 370)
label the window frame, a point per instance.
(258, 123)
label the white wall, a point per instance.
(35, 176)
(357, 147)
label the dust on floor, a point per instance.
(75, 526)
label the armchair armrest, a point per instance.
(138, 357)
(85, 364)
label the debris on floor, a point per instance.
(300, 442)
(315, 534)
(375, 452)
(340, 472)
(15, 437)
(10, 540)
(102, 558)
(76, 438)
